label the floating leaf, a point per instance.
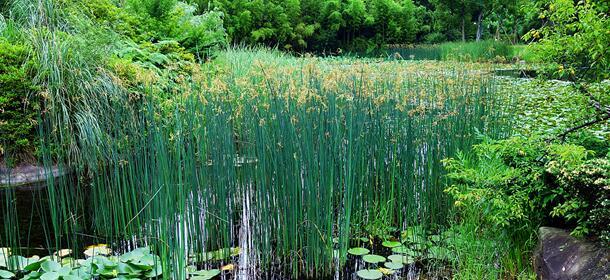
(370, 274)
(401, 259)
(6, 274)
(99, 249)
(205, 274)
(49, 276)
(228, 267)
(63, 253)
(373, 259)
(403, 250)
(390, 244)
(50, 266)
(67, 261)
(29, 264)
(394, 265)
(358, 251)
(155, 271)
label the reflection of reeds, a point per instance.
(316, 145)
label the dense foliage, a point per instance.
(575, 39)
(18, 102)
(367, 24)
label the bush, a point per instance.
(18, 105)
(203, 34)
(494, 223)
(521, 179)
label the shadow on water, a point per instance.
(31, 203)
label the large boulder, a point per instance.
(561, 256)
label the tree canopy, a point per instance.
(366, 24)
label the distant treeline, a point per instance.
(368, 24)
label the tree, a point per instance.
(575, 39)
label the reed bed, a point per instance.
(277, 156)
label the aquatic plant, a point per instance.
(276, 158)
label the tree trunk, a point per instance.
(480, 26)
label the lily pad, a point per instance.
(394, 265)
(370, 274)
(401, 259)
(358, 251)
(29, 264)
(50, 276)
(390, 244)
(205, 274)
(6, 274)
(403, 250)
(63, 253)
(96, 250)
(373, 259)
(50, 266)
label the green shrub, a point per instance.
(494, 221)
(18, 105)
(202, 34)
(522, 179)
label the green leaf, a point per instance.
(391, 244)
(394, 265)
(49, 276)
(6, 274)
(403, 250)
(205, 274)
(373, 259)
(155, 271)
(370, 274)
(358, 251)
(50, 266)
(401, 259)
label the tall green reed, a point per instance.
(290, 157)
(313, 150)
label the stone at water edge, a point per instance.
(561, 256)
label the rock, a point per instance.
(27, 175)
(561, 256)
